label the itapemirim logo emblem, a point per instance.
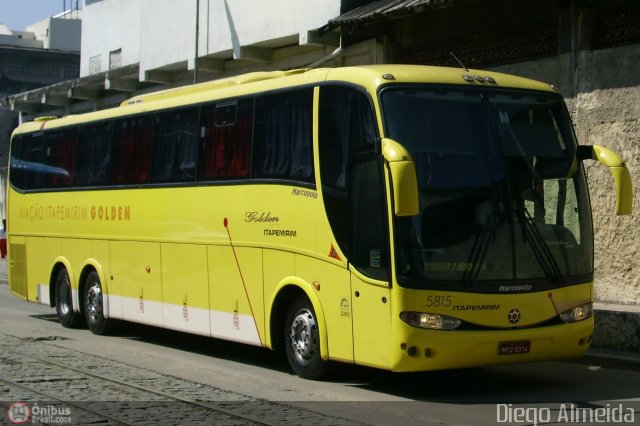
(514, 316)
(19, 413)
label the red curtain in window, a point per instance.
(62, 156)
(132, 153)
(228, 149)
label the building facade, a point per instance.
(46, 53)
(231, 37)
(589, 49)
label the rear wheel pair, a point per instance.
(93, 306)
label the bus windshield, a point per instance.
(503, 205)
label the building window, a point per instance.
(115, 59)
(94, 64)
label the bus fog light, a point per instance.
(578, 313)
(430, 321)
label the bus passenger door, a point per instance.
(369, 262)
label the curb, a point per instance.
(617, 327)
(611, 358)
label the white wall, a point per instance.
(159, 33)
(167, 32)
(58, 33)
(18, 38)
(107, 26)
(40, 31)
(65, 34)
(253, 21)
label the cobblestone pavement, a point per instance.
(51, 384)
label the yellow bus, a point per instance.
(407, 218)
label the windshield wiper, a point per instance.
(476, 258)
(540, 248)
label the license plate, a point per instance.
(514, 348)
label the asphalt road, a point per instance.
(140, 364)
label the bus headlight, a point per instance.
(430, 321)
(578, 313)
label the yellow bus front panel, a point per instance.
(436, 350)
(495, 329)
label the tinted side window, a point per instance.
(94, 155)
(44, 160)
(283, 136)
(175, 145)
(346, 125)
(61, 158)
(132, 150)
(368, 246)
(226, 149)
(28, 154)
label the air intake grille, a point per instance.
(489, 48)
(18, 269)
(617, 25)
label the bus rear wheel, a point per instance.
(94, 305)
(302, 341)
(64, 301)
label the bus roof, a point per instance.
(369, 77)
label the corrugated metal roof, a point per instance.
(384, 9)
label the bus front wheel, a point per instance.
(63, 300)
(302, 341)
(94, 306)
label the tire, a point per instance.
(94, 306)
(64, 301)
(302, 341)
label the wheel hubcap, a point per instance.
(93, 302)
(303, 330)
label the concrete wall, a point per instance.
(161, 33)
(246, 22)
(18, 38)
(603, 96)
(40, 31)
(65, 34)
(108, 26)
(607, 112)
(58, 33)
(168, 34)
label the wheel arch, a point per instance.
(76, 284)
(284, 294)
(59, 264)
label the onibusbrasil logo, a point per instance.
(19, 413)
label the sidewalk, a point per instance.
(3, 272)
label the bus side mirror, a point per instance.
(619, 171)
(403, 178)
